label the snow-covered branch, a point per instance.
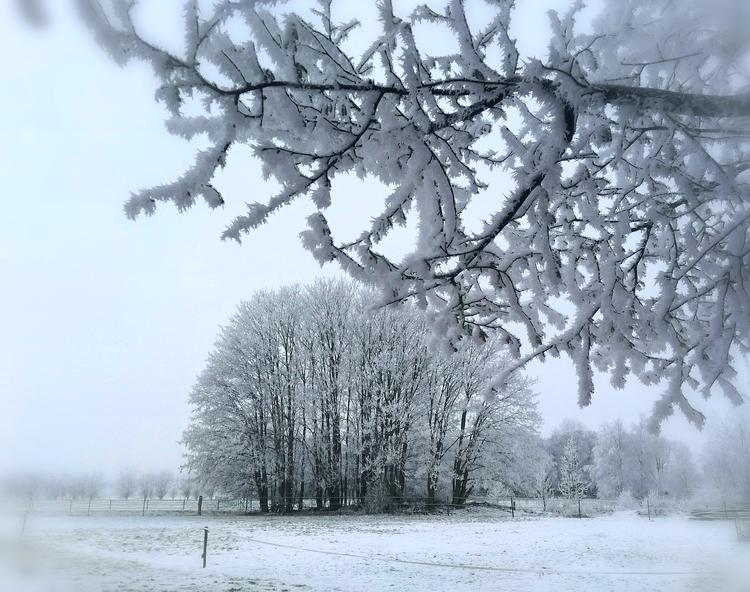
(622, 236)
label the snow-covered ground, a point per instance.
(474, 550)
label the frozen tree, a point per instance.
(146, 485)
(185, 487)
(621, 156)
(681, 479)
(524, 467)
(573, 483)
(612, 460)
(161, 482)
(92, 485)
(726, 458)
(127, 483)
(543, 479)
(641, 463)
(484, 424)
(585, 440)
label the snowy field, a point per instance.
(473, 550)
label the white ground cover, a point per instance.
(471, 550)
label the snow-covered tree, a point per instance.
(161, 481)
(641, 463)
(489, 429)
(681, 479)
(186, 487)
(92, 485)
(726, 458)
(127, 483)
(146, 485)
(585, 440)
(612, 460)
(573, 482)
(525, 468)
(621, 155)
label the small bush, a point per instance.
(626, 501)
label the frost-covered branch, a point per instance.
(622, 236)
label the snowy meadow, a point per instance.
(476, 549)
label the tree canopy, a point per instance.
(592, 201)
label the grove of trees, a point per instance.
(726, 459)
(308, 394)
(642, 463)
(455, 449)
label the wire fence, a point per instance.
(584, 507)
(134, 506)
(723, 512)
(478, 567)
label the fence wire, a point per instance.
(133, 506)
(526, 570)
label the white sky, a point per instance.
(104, 323)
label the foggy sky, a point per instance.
(105, 322)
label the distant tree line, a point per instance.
(572, 462)
(576, 462)
(38, 485)
(128, 484)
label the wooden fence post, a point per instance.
(200, 505)
(205, 544)
(579, 507)
(648, 506)
(143, 510)
(512, 507)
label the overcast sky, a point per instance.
(104, 322)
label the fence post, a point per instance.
(648, 505)
(200, 505)
(579, 507)
(205, 544)
(512, 507)
(143, 510)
